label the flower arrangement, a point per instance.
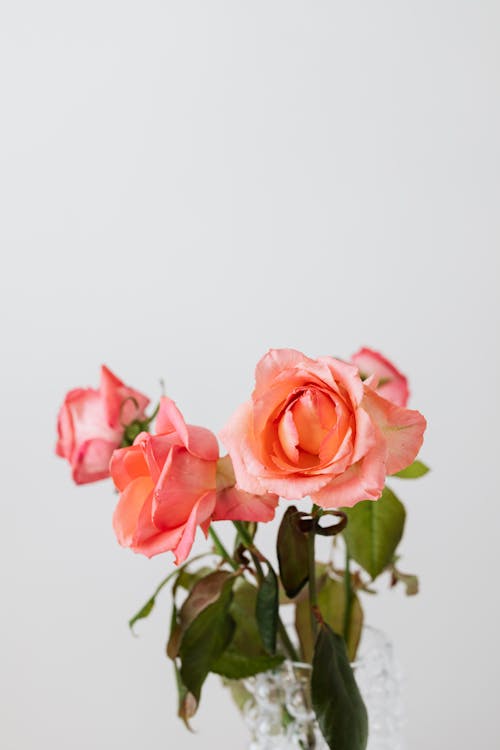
(325, 429)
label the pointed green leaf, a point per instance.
(266, 610)
(236, 666)
(205, 591)
(374, 530)
(331, 602)
(336, 699)
(245, 655)
(413, 471)
(205, 639)
(292, 553)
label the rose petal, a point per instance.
(201, 512)
(126, 465)
(184, 479)
(402, 428)
(200, 441)
(372, 363)
(234, 504)
(347, 375)
(129, 508)
(272, 364)
(234, 436)
(91, 461)
(122, 404)
(362, 481)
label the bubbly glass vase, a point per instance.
(278, 709)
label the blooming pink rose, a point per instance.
(385, 378)
(314, 428)
(171, 483)
(91, 424)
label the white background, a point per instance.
(182, 186)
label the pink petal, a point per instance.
(273, 363)
(366, 434)
(90, 463)
(346, 375)
(402, 428)
(372, 363)
(126, 465)
(199, 515)
(170, 419)
(236, 505)
(289, 437)
(362, 481)
(235, 437)
(129, 508)
(199, 441)
(294, 487)
(122, 404)
(184, 479)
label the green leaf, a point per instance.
(205, 639)
(374, 530)
(292, 553)
(187, 704)
(336, 699)
(331, 602)
(413, 471)
(266, 610)
(205, 591)
(236, 666)
(245, 655)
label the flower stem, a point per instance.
(221, 550)
(348, 596)
(313, 592)
(257, 556)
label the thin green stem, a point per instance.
(221, 550)
(348, 595)
(313, 593)
(256, 557)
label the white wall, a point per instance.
(182, 186)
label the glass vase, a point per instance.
(278, 711)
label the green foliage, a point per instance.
(374, 530)
(336, 699)
(266, 610)
(292, 553)
(332, 603)
(413, 471)
(245, 655)
(205, 639)
(205, 591)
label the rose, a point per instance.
(172, 482)
(385, 377)
(91, 424)
(312, 427)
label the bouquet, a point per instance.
(321, 434)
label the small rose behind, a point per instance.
(174, 481)
(384, 376)
(312, 427)
(92, 422)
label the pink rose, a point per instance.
(91, 425)
(314, 428)
(171, 483)
(385, 378)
